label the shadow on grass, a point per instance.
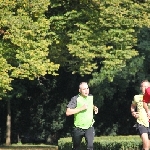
(29, 147)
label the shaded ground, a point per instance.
(29, 147)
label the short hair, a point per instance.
(145, 81)
(82, 83)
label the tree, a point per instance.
(100, 38)
(96, 37)
(24, 44)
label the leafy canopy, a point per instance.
(25, 40)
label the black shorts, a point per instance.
(142, 129)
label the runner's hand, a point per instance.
(135, 114)
(84, 107)
(95, 109)
(148, 114)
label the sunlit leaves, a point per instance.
(122, 21)
(26, 39)
(100, 36)
(5, 80)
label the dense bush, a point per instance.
(106, 143)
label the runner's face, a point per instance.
(144, 86)
(84, 89)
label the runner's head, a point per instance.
(84, 89)
(144, 85)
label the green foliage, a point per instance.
(25, 40)
(121, 28)
(97, 37)
(106, 143)
(107, 42)
(4, 77)
(144, 50)
(38, 110)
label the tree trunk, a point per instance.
(8, 124)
